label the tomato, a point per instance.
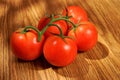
(26, 46)
(43, 22)
(85, 36)
(59, 52)
(52, 29)
(78, 14)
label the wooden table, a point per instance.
(100, 63)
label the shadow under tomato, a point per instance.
(78, 69)
(41, 63)
(100, 51)
(38, 64)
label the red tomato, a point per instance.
(52, 29)
(85, 36)
(43, 22)
(78, 14)
(26, 46)
(59, 52)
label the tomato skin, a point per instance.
(77, 13)
(85, 36)
(52, 29)
(59, 52)
(43, 22)
(26, 46)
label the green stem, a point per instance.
(61, 33)
(45, 28)
(66, 13)
(34, 28)
(57, 19)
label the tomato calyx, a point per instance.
(27, 28)
(61, 33)
(77, 25)
(74, 25)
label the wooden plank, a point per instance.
(100, 63)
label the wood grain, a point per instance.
(100, 63)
